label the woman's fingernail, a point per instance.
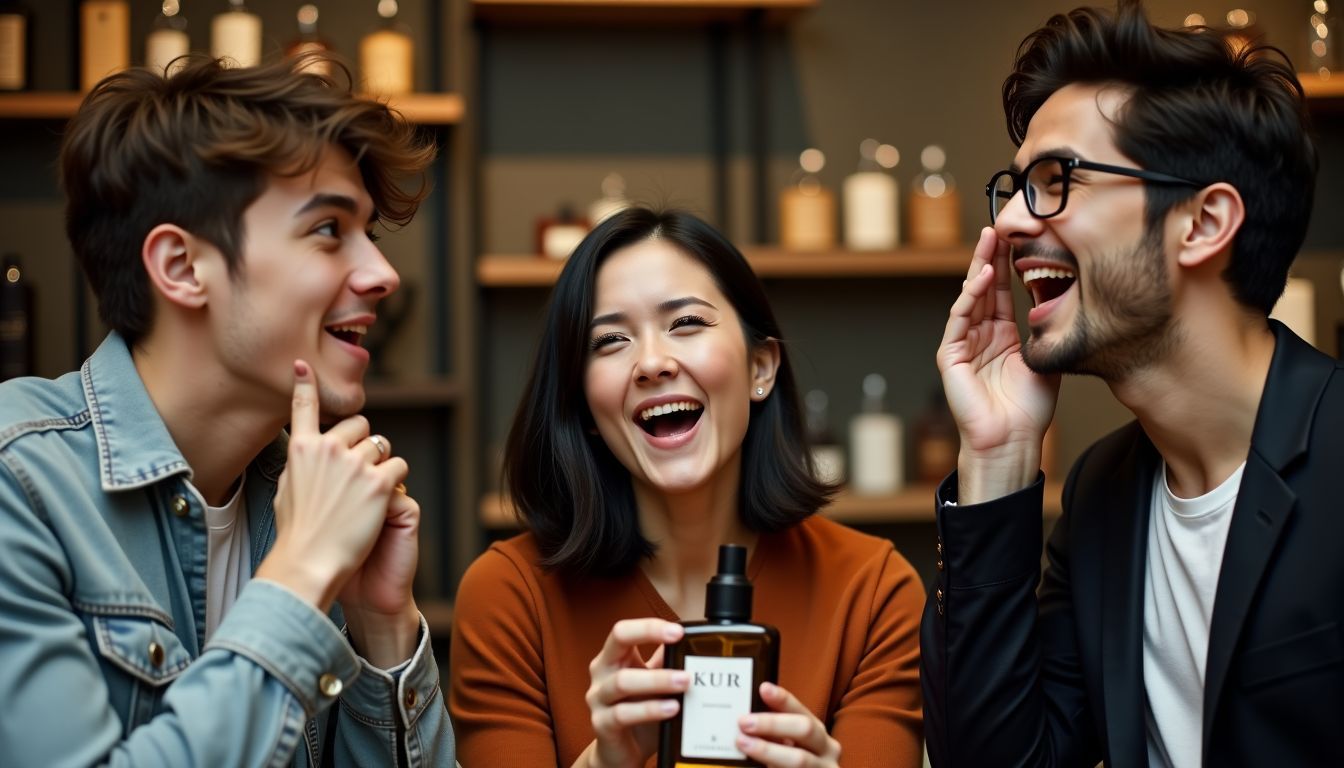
(672, 633)
(746, 743)
(680, 679)
(668, 707)
(748, 723)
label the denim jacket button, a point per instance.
(156, 655)
(330, 685)
(180, 506)
(411, 698)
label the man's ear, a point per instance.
(1208, 223)
(764, 366)
(172, 259)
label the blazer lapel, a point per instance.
(1126, 550)
(1297, 377)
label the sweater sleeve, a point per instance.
(497, 697)
(879, 720)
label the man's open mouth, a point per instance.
(350, 334)
(670, 419)
(1048, 283)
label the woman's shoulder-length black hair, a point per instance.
(571, 491)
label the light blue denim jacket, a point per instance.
(102, 607)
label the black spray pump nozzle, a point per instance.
(728, 596)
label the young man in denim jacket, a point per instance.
(161, 602)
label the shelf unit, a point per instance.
(520, 271)
(914, 504)
(429, 109)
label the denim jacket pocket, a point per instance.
(140, 656)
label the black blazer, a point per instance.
(1012, 677)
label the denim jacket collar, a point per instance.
(134, 447)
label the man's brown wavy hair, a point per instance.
(196, 149)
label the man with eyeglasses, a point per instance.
(1192, 607)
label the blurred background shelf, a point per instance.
(914, 504)
(422, 393)
(504, 271)
(420, 108)
(683, 12)
(1321, 88)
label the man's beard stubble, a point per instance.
(1127, 326)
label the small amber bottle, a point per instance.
(728, 657)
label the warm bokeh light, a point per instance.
(812, 160)
(1194, 20)
(1238, 18)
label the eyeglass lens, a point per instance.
(1045, 183)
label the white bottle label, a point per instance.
(720, 693)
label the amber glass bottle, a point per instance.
(728, 657)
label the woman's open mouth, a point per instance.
(670, 419)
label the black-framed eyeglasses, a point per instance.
(1045, 182)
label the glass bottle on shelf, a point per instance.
(558, 236)
(870, 199)
(877, 467)
(612, 201)
(168, 39)
(104, 41)
(936, 440)
(16, 320)
(309, 41)
(806, 208)
(828, 457)
(387, 55)
(16, 51)
(935, 205)
(236, 35)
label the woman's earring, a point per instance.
(760, 390)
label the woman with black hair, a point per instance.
(659, 421)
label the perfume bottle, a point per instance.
(936, 440)
(876, 465)
(828, 458)
(728, 657)
(558, 236)
(105, 40)
(16, 320)
(16, 50)
(612, 201)
(308, 41)
(806, 208)
(236, 35)
(387, 55)
(167, 40)
(935, 205)
(870, 196)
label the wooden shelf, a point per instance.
(912, 505)
(393, 395)
(514, 271)
(559, 12)
(420, 108)
(1320, 88)
(438, 614)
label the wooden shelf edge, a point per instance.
(418, 108)
(520, 270)
(560, 12)
(1320, 88)
(413, 393)
(438, 613)
(912, 505)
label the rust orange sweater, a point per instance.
(846, 604)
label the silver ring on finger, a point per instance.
(380, 444)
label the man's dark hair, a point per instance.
(196, 149)
(572, 492)
(1201, 109)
